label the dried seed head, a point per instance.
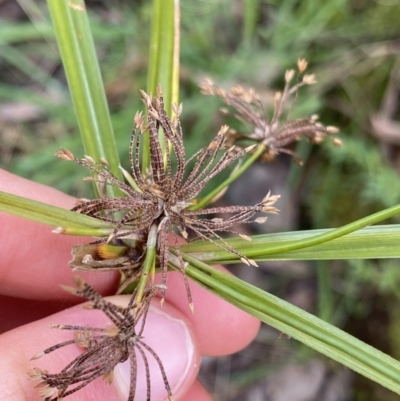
(275, 133)
(162, 197)
(104, 348)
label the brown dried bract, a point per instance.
(105, 347)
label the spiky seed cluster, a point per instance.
(273, 133)
(105, 348)
(164, 195)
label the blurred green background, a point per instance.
(354, 49)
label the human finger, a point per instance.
(34, 261)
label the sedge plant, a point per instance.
(135, 211)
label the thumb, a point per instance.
(167, 332)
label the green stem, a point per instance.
(234, 176)
(250, 20)
(325, 293)
(335, 233)
(149, 262)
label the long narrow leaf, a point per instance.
(263, 250)
(300, 325)
(84, 78)
(73, 222)
(368, 243)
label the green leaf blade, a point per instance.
(84, 78)
(301, 325)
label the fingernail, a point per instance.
(172, 341)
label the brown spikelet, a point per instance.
(273, 132)
(104, 348)
(165, 194)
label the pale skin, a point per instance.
(33, 264)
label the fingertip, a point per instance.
(220, 327)
(34, 261)
(171, 336)
(197, 393)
